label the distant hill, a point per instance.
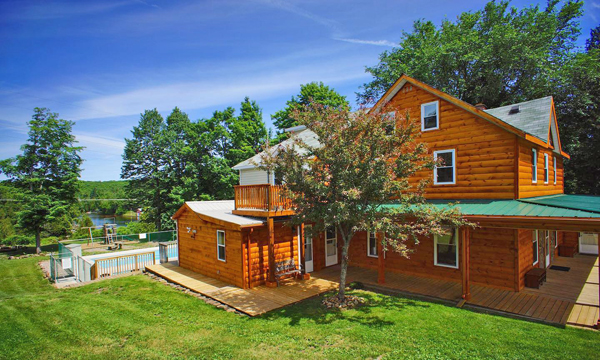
(102, 189)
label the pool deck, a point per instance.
(253, 302)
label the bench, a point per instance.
(286, 267)
(535, 277)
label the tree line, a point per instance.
(173, 160)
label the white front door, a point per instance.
(308, 250)
(331, 257)
(588, 243)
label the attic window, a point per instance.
(514, 110)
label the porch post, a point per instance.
(248, 247)
(271, 276)
(598, 322)
(301, 250)
(465, 247)
(380, 261)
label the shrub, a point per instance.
(15, 240)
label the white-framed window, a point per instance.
(554, 167)
(372, 244)
(430, 119)
(389, 120)
(534, 166)
(546, 169)
(445, 252)
(331, 240)
(445, 172)
(221, 245)
(535, 248)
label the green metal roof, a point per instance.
(509, 208)
(574, 202)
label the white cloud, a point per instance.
(286, 6)
(369, 42)
(212, 92)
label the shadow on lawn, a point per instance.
(365, 314)
(47, 249)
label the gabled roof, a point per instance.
(498, 116)
(307, 136)
(532, 116)
(218, 212)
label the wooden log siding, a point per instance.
(285, 247)
(198, 252)
(527, 187)
(262, 197)
(491, 258)
(490, 161)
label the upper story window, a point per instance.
(430, 119)
(372, 244)
(554, 167)
(534, 166)
(221, 245)
(546, 169)
(445, 171)
(446, 250)
(389, 120)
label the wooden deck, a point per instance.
(255, 301)
(566, 298)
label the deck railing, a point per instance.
(122, 264)
(262, 197)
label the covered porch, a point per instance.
(567, 298)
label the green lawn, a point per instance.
(136, 317)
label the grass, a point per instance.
(137, 317)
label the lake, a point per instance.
(120, 220)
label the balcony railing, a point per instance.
(264, 197)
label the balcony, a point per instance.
(262, 200)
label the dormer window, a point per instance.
(554, 160)
(430, 119)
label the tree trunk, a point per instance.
(38, 242)
(344, 271)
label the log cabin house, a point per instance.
(504, 166)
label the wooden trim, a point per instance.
(262, 214)
(517, 261)
(380, 261)
(538, 222)
(393, 90)
(517, 162)
(271, 253)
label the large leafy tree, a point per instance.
(497, 55)
(177, 160)
(578, 108)
(357, 170)
(144, 164)
(315, 92)
(46, 173)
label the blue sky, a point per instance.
(101, 63)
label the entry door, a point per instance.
(308, 250)
(588, 243)
(331, 257)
